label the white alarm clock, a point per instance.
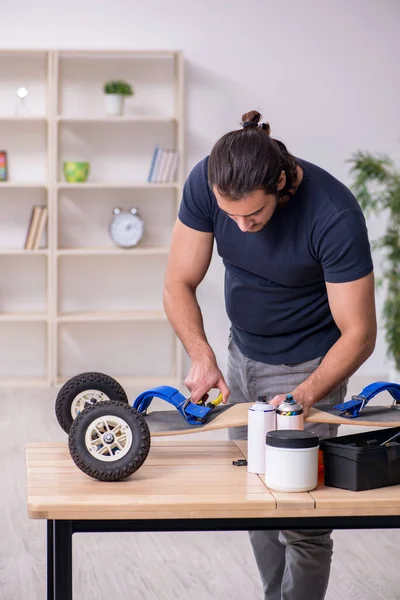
(126, 227)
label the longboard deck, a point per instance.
(170, 422)
(371, 416)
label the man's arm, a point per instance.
(353, 308)
(188, 262)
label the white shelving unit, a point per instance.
(78, 302)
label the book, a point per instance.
(164, 164)
(153, 164)
(157, 166)
(40, 227)
(173, 166)
(32, 229)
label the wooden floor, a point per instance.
(186, 566)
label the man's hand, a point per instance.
(277, 400)
(203, 376)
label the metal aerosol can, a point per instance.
(289, 414)
(262, 419)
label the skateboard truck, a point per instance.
(195, 414)
(353, 407)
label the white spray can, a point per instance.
(289, 414)
(262, 419)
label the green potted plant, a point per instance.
(377, 188)
(115, 92)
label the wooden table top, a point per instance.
(182, 479)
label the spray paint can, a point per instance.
(261, 420)
(289, 414)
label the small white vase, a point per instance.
(114, 104)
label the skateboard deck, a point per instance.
(224, 416)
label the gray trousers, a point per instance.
(293, 565)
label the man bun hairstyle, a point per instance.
(252, 118)
(249, 159)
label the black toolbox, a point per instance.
(357, 462)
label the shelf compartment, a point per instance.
(115, 284)
(26, 151)
(82, 78)
(113, 316)
(83, 219)
(116, 153)
(24, 288)
(135, 349)
(17, 360)
(28, 69)
(16, 208)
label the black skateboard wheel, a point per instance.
(109, 441)
(83, 390)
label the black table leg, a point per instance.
(50, 561)
(62, 564)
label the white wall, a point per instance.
(324, 74)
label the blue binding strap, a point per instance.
(353, 407)
(193, 413)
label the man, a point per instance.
(299, 293)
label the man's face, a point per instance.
(250, 213)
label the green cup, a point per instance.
(76, 172)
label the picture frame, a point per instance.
(3, 166)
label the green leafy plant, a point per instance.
(377, 189)
(118, 87)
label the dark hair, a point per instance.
(248, 159)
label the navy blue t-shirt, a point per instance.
(275, 291)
